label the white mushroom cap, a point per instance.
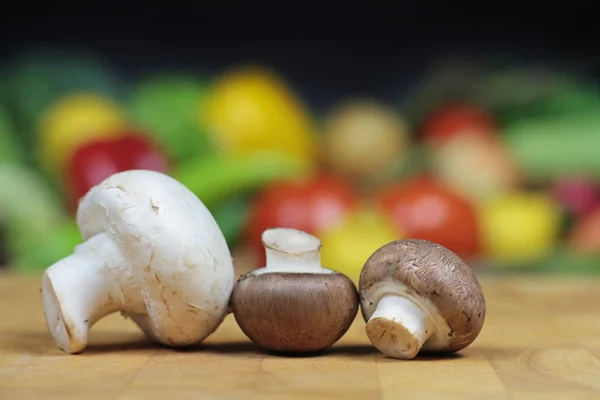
(151, 250)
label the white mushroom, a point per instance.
(150, 250)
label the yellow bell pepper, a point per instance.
(72, 121)
(348, 245)
(519, 227)
(250, 109)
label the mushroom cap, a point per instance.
(436, 273)
(177, 254)
(294, 312)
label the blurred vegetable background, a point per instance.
(496, 160)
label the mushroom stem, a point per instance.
(399, 327)
(291, 250)
(82, 288)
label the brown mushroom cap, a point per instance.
(294, 312)
(436, 273)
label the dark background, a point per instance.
(326, 51)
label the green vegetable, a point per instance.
(506, 88)
(10, 150)
(167, 107)
(548, 148)
(4, 85)
(30, 212)
(59, 244)
(561, 261)
(231, 215)
(4, 258)
(574, 101)
(524, 92)
(217, 178)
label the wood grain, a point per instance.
(541, 340)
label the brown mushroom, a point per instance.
(293, 304)
(416, 296)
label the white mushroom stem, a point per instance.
(399, 327)
(291, 250)
(82, 288)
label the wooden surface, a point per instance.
(541, 340)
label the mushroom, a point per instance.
(293, 304)
(150, 250)
(416, 296)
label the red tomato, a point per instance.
(425, 209)
(310, 205)
(458, 118)
(97, 160)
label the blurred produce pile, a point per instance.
(500, 165)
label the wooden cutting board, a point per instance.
(541, 340)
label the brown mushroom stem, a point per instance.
(399, 327)
(289, 250)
